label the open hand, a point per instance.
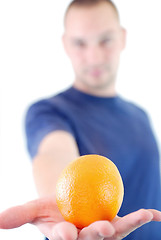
(45, 215)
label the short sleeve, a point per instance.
(41, 119)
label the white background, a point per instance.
(33, 65)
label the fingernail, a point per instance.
(101, 236)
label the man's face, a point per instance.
(93, 40)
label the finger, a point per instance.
(64, 230)
(97, 231)
(29, 212)
(156, 215)
(15, 217)
(132, 221)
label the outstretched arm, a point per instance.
(55, 152)
(45, 215)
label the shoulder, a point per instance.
(134, 109)
(47, 105)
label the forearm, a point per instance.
(46, 170)
(55, 152)
(45, 174)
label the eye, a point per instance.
(105, 41)
(79, 43)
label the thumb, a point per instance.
(17, 216)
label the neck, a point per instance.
(109, 91)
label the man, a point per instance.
(89, 118)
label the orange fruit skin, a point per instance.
(89, 189)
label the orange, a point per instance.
(89, 189)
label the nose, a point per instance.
(95, 55)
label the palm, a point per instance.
(49, 219)
(45, 215)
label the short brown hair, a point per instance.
(82, 3)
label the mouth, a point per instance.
(96, 72)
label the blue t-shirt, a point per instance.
(114, 128)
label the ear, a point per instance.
(123, 38)
(64, 41)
